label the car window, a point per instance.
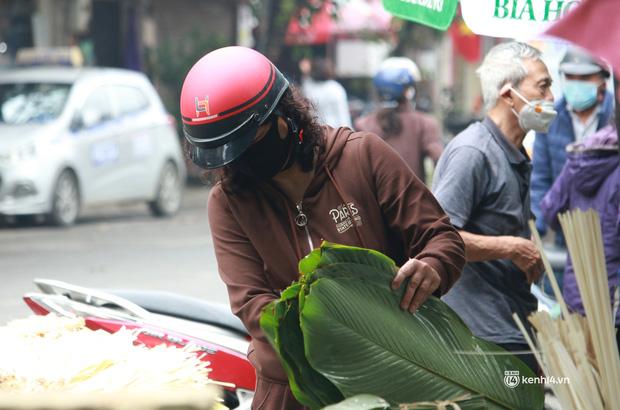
(128, 99)
(22, 103)
(97, 107)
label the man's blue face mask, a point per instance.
(580, 95)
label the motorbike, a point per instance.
(161, 318)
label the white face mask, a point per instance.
(535, 115)
(410, 93)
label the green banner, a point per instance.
(434, 13)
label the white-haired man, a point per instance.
(482, 182)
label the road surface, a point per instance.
(114, 247)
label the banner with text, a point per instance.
(519, 19)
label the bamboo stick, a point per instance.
(584, 240)
(548, 269)
(583, 349)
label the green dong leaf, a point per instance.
(353, 338)
(357, 336)
(280, 323)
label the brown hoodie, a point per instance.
(258, 245)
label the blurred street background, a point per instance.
(163, 39)
(114, 247)
(124, 246)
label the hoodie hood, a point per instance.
(593, 161)
(335, 141)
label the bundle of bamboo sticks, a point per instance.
(49, 362)
(580, 353)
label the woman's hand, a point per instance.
(423, 281)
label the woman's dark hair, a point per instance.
(300, 110)
(322, 69)
(389, 120)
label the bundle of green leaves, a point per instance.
(339, 332)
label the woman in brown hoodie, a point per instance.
(287, 183)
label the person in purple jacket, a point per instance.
(590, 179)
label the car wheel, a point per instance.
(168, 199)
(65, 200)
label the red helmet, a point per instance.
(225, 97)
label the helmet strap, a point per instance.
(295, 148)
(293, 131)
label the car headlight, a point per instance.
(22, 153)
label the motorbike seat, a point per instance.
(184, 307)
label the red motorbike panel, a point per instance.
(226, 365)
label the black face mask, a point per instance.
(269, 156)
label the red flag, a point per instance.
(594, 26)
(465, 42)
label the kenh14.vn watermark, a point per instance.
(512, 379)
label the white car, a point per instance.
(74, 137)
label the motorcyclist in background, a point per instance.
(413, 134)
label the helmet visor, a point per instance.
(217, 157)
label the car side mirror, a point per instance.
(86, 119)
(90, 118)
(76, 123)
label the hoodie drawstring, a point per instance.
(346, 203)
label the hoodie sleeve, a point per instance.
(239, 265)
(412, 213)
(556, 200)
